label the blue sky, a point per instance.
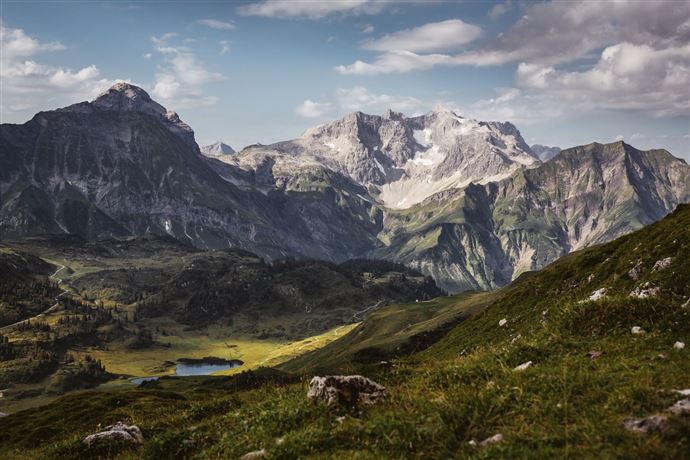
(566, 73)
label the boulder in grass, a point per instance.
(681, 407)
(645, 291)
(637, 330)
(679, 345)
(523, 366)
(254, 455)
(662, 264)
(651, 424)
(495, 439)
(636, 271)
(597, 295)
(2, 414)
(117, 432)
(345, 390)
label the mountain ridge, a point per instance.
(481, 207)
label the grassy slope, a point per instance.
(461, 388)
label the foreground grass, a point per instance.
(463, 387)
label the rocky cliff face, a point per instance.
(122, 165)
(481, 237)
(463, 200)
(404, 160)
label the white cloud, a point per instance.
(626, 77)
(216, 24)
(399, 61)
(314, 10)
(435, 36)
(500, 9)
(366, 28)
(181, 78)
(357, 98)
(148, 56)
(29, 86)
(225, 47)
(15, 43)
(311, 109)
(555, 33)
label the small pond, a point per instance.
(202, 367)
(191, 366)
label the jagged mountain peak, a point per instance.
(124, 97)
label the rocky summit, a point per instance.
(466, 201)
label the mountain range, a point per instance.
(466, 201)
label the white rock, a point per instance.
(488, 441)
(662, 264)
(523, 366)
(679, 345)
(635, 272)
(495, 439)
(598, 294)
(647, 424)
(118, 431)
(681, 407)
(637, 330)
(646, 291)
(2, 414)
(685, 392)
(502, 322)
(345, 390)
(254, 455)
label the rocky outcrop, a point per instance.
(646, 291)
(117, 432)
(345, 390)
(662, 264)
(651, 424)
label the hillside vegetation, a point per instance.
(463, 387)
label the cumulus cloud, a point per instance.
(557, 49)
(358, 98)
(500, 9)
(16, 43)
(555, 33)
(435, 36)
(626, 77)
(304, 9)
(311, 109)
(216, 24)
(181, 77)
(29, 86)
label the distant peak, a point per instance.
(126, 97)
(441, 109)
(124, 89)
(217, 148)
